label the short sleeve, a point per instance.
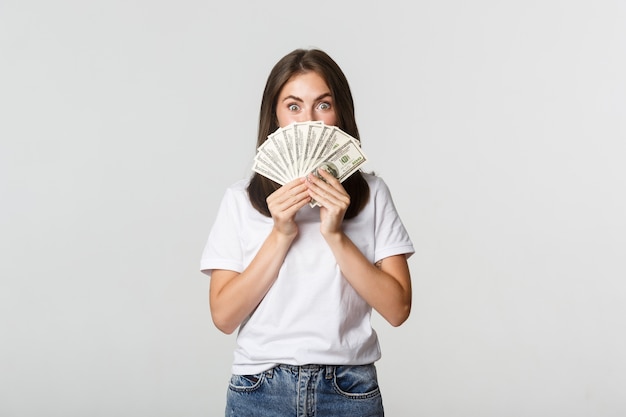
(223, 248)
(392, 237)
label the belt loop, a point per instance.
(330, 371)
(269, 373)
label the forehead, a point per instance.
(305, 81)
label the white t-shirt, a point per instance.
(311, 314)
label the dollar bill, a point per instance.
(298, 149)
(341, 163)
(319, 136)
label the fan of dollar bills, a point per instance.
(300, 148)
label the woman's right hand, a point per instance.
(285, 202)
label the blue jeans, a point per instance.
(305, 391)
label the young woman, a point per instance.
(300, 282)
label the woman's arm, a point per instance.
(232, 295)
(387, 288)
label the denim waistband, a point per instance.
(309, 367)
(328, 370)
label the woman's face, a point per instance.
(305, 97)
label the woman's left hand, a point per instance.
(333, 200)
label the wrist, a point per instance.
(283, 237)
(334, 237)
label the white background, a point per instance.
(499, 126)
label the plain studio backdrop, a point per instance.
(499, 127)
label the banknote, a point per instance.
(341, 163)
(298, 149)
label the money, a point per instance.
(298, 149)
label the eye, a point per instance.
(293, 107)
(324, 106)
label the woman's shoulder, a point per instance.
(239, 185)
(375, 182)
(237, 190)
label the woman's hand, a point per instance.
(333, 199)
(285, 202)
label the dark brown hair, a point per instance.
(297, 62)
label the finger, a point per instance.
(288, 191)
(291, 197)
(327, 176)
(330, 198)
(288, 202)
(327, 190)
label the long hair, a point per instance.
(297, 62)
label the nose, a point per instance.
(311, 114)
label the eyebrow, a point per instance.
(290, 97)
